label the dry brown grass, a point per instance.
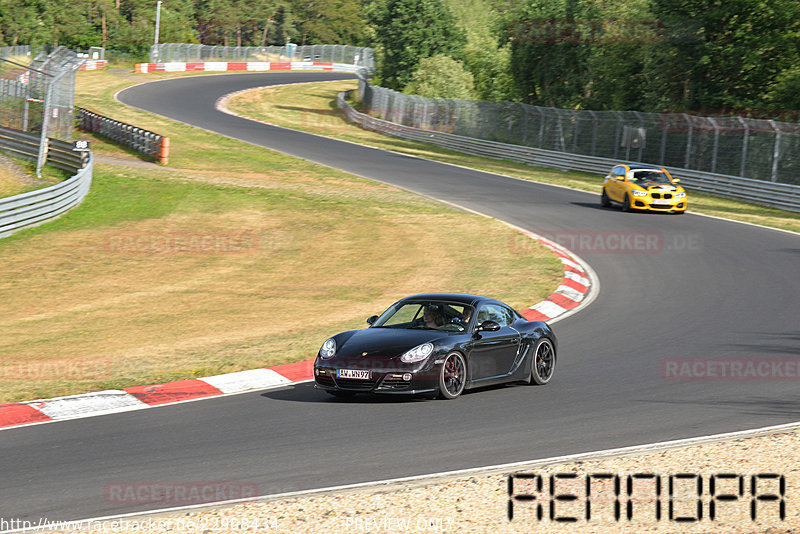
(94, 301)
(14, 179)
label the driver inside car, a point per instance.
(432, 317)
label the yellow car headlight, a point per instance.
(682, 194)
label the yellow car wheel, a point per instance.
(626, 203)
(604, 200)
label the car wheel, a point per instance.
(544, 362)
(453, 376)
(341, 394)
(604, 200)
(626, 203)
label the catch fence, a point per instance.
(179, 52)
(759, 149)
(40, 98)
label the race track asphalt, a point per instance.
(709, 289)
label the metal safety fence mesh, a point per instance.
(737, 146)
(178, 52)
(15, 51)
(40, 98)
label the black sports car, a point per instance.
(437, 343)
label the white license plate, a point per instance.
(352, 373)
(662, 202)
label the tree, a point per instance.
(441, 76)
(784, 95)
(329, 21)
(550, 51)
(285, 28)
(26, 22)
(721, 55)
(409, 30)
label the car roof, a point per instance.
(463, 298)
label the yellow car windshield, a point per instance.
(650, 176)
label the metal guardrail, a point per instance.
(35, 207)
(784, 196)
(139, 139)
(759, 149)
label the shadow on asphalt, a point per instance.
(307, 393)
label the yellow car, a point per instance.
(643, 188)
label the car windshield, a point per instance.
(650, 175)
(426, 314)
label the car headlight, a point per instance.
(328, 349)
(640, 193)
(680, 195)
(418, 353)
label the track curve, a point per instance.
(718, 289)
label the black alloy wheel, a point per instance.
(544, 362)
(453, 376)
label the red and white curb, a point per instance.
(243, 66)
(138, 397)
(94, 64)
(572, 293)
(568, 298)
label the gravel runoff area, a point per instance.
(479, 502)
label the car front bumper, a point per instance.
(649, 205)
(391, 381)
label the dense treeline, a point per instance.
(649, 55)
(658, 55)
(704, 56)
(129, 25)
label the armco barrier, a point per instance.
(35, 207)
(240, 66)
(140, 140)
(784, 196)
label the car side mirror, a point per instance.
(488, 326)
(372, 319)
(676, 180)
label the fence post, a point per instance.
(745, 142)
(541, 125)
(576, 121)
(617, 133)
(642, 125)
(43, 141)
(594, 131)
(776, 151)
(527, 118)
(688, 142)
(716, 144)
